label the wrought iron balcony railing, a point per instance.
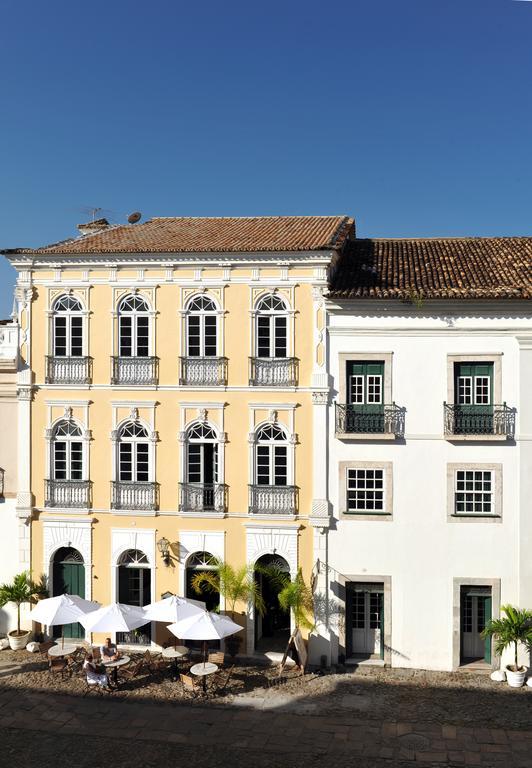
(202, 497)
(479, 420)
(203, 371)
(127, 494)
(384, 420)
(273, 371)
(68, 370)
(272, 500)
(67, 494)
(135, 371)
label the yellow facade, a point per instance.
(235, 410)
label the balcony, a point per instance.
(68, 370)
(67, 494)
(369, 422)
(203, 371)
(134, 371)
(273, 500)
(479, 422)
(201, 498)
(130, 495)
(273, 371)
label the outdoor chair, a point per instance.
(217, 657)
(221, 689)
(75, 661)
(95, 688)
(58, 666)
(190, 687)
(132, 670)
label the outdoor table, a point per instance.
(175, 653)
(58, 650)
(113, 666)
(203, 669)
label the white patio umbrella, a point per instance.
(173, 609)
(63, 609)
(205, 626)
(116, 617)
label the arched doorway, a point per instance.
(197, 563)
(272, 630)
(68, 577)
(201, 562)
(134, 588)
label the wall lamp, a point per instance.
(163, 545)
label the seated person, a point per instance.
(109, 651)
(94, 676)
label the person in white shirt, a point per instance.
(93, 676)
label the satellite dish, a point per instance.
(134, 217)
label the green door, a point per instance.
(473, 395)
(69, 578)
(365, 396)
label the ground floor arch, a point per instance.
(272, 629)
(68, 577)
(134, 588)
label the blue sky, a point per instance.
(415, 116)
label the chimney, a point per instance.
(91, 227)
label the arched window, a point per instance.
(200, 562)
(271, 456)
(67, 452)
(133, 453)
(202, 454)
(272, 327)
(202, 328)
(133, 327)
(67, 327)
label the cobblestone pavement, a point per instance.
(40, 729)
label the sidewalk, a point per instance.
(275, 733)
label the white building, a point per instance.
(15, 532)
(430, 450)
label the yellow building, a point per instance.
(174, 386)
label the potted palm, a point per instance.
(513, 628)
(235, 585)
(21, 590)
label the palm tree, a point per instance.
(295, 596)
(512, 629)
(236, 585)
(21, 590)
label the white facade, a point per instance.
(15, 532)
(419, 553)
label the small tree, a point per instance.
(296, 597)
(234, 584)
(21, 590)
(512, 629)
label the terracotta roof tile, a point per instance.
(469, 268)
(204, 235)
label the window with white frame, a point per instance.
(271, 456)
(133, 453)
(202, 455)
(133, 327)
(365, 490)
(272, 327)
(474, 492)
(67, 327)
(201, 327)
(67, 452)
